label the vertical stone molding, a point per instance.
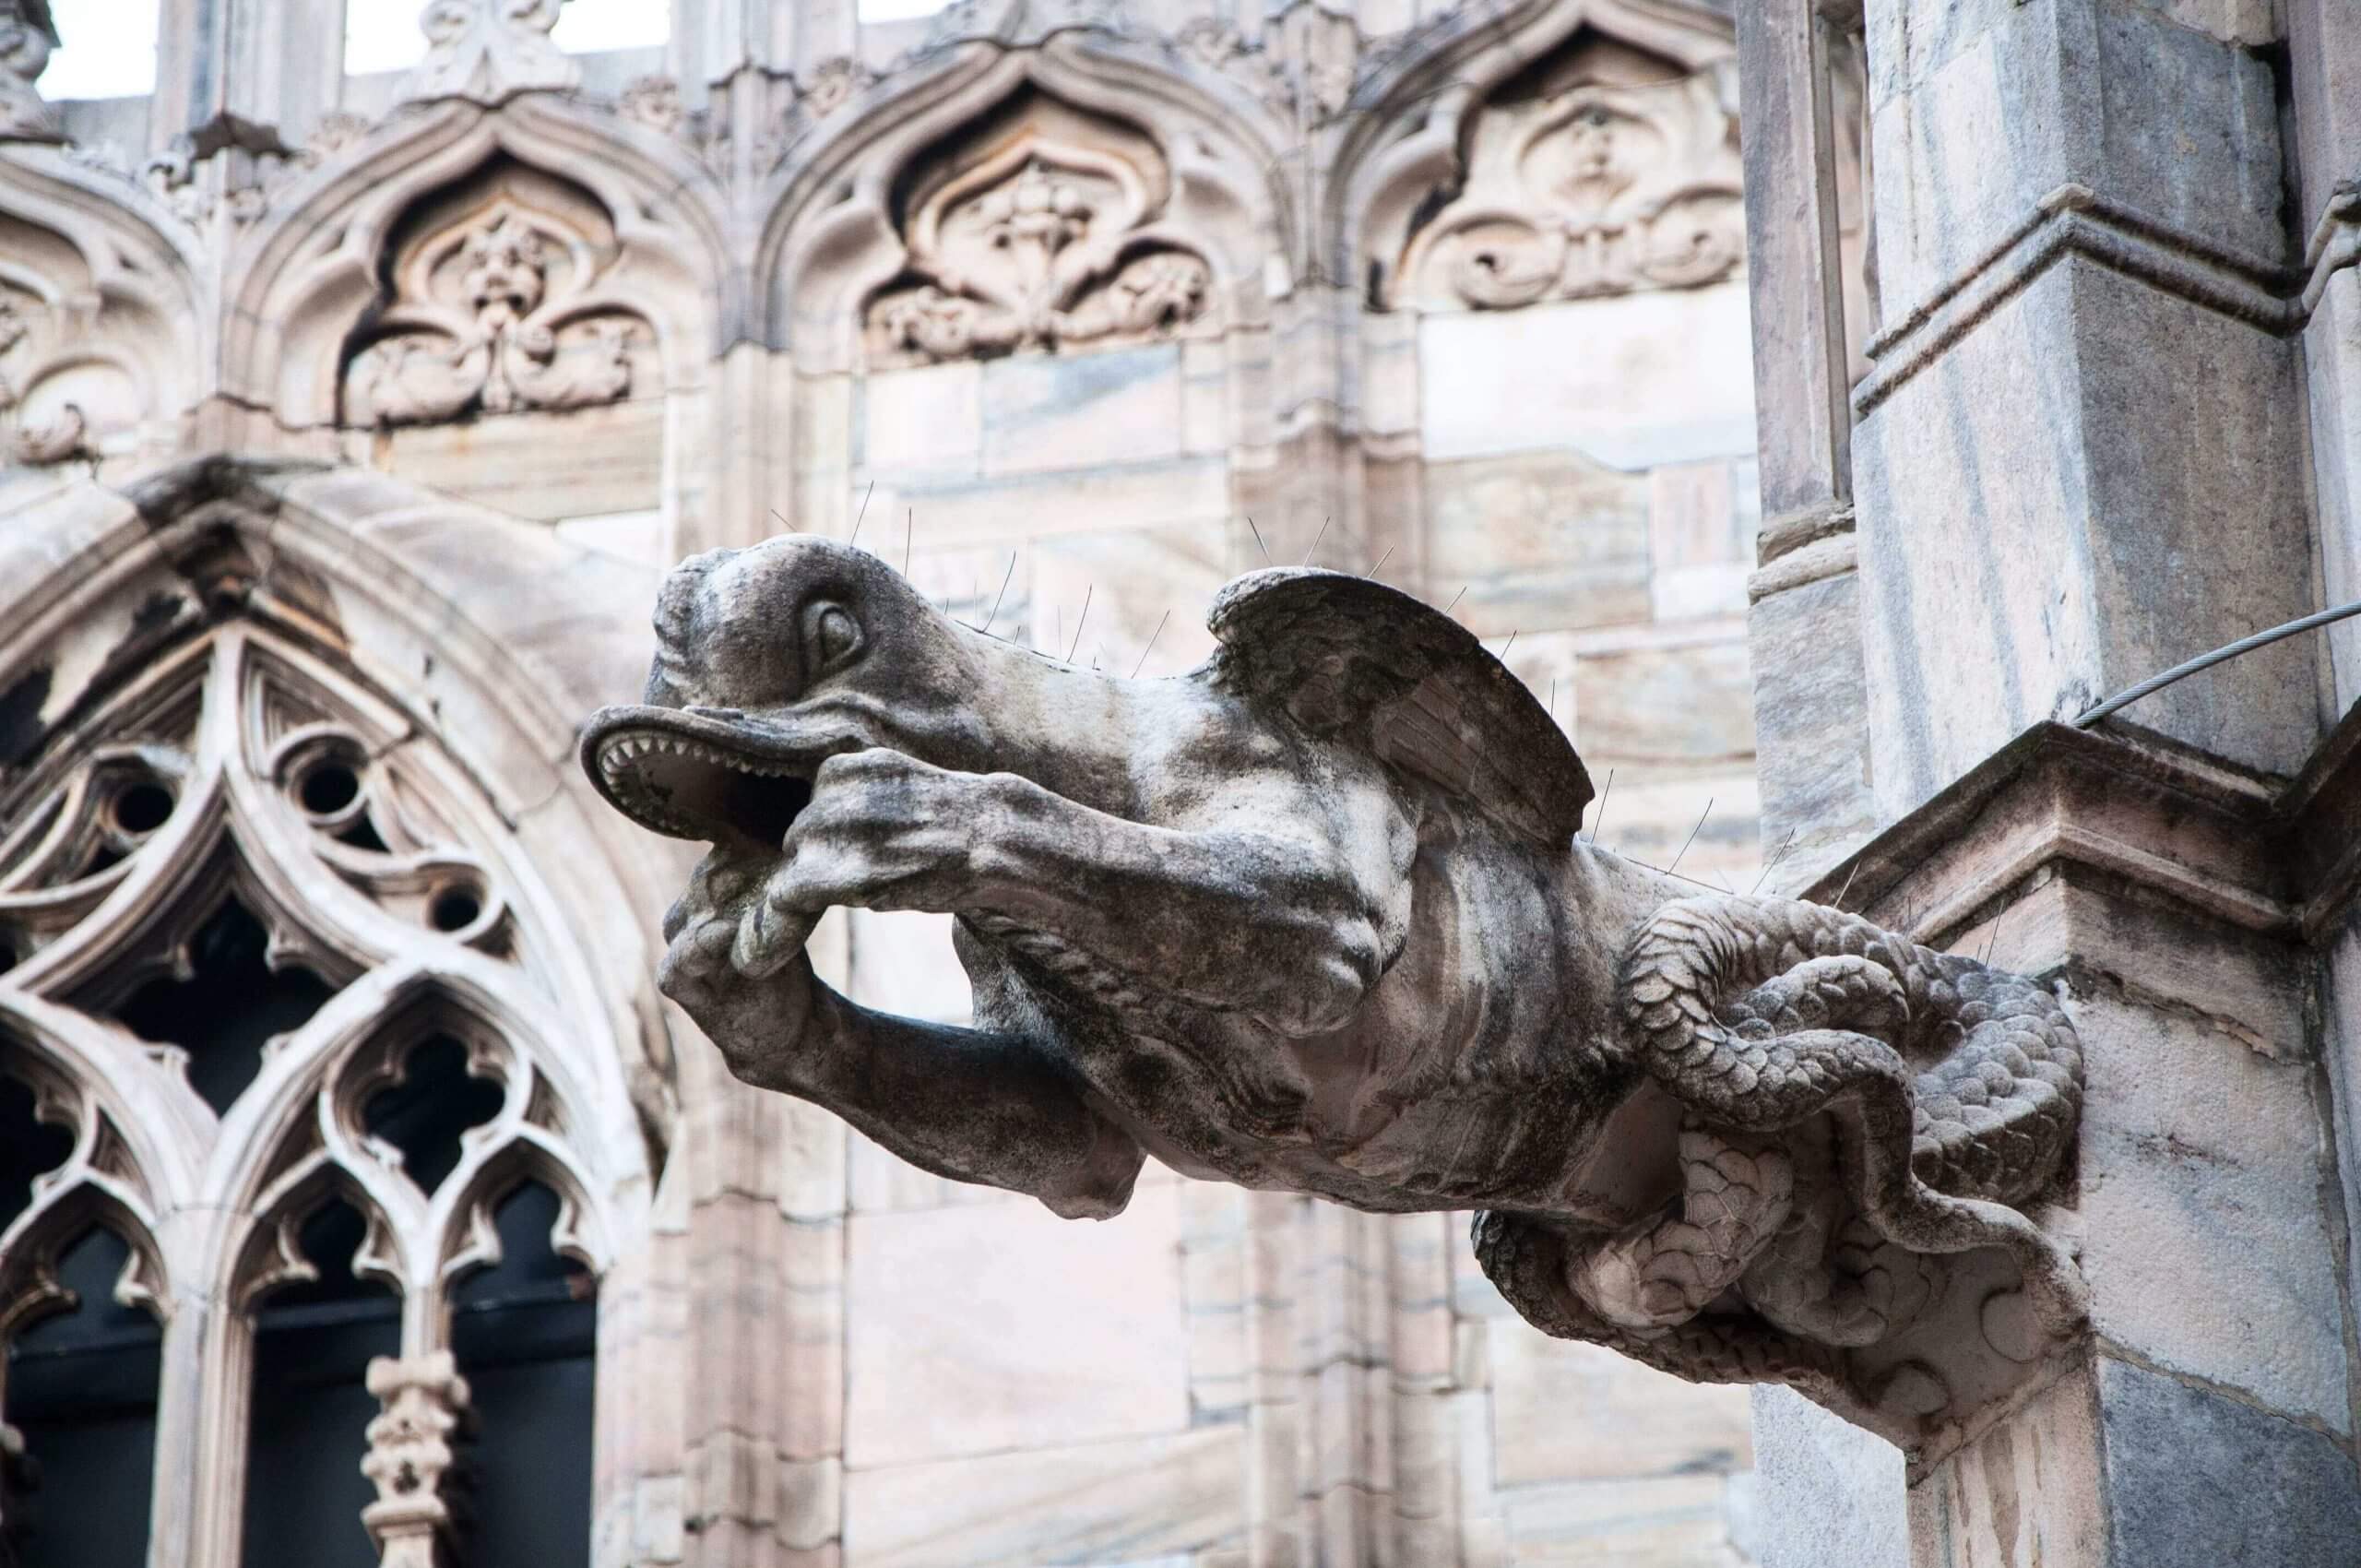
(2032, 303)
(409, 1450)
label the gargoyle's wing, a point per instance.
(1353, 659)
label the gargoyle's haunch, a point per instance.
(1315, 916)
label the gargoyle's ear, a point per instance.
(1352, 660)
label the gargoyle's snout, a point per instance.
(691, 775)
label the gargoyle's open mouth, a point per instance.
(690, 775)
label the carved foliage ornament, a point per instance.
(810, 100)
(27, 37)
(1603, 188)
(1046, 244)
(67, 382)
(48, 441)
(489, 50)
(507, 308)
(653, 101)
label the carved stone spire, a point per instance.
(491, 50)
(409, 1449)
(27, 35)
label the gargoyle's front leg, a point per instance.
(1002, 1110)
(1280, 923)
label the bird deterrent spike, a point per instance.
(1693, 834)
(1382, 560)
(987, 628)
(1088, 589)
(1258, 539)
(1773, 865)
(1315, 541)
(1602, 805)
(865, 494)
(1151, 646)
(1847, 887)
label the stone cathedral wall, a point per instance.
(1072, 310)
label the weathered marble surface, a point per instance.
(1316, 917)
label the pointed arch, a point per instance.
(102, 330)
(836, 232)
(372, 579)
(318, 264)
(1410, 138)
(30, 1288)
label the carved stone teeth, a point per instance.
(616, 760)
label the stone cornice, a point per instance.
(2240, 850)
(2075, 220)
(1827, 554)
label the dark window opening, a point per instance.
(363, 835)
(82, 1390)
(424, 1114)
(143, 808)
(524, 1333)
(327, 787)
(312, 1409)
(232, 1004)
(455, 909)
(29, 1147)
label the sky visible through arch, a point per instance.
(108, 47)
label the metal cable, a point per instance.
(2207, 660)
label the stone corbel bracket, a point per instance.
(2181, 907)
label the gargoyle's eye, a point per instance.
(831, 636)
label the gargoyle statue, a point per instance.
(1315, 916)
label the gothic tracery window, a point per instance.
(282, 1106)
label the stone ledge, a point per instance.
(1827, 556)
(2209, 836)
(2076, 220)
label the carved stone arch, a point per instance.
(605, 202)
(1125, 159)
(433, 610)
(466, 1238)
(125, 1143)
(266, 1250)
(1409, 154)
(30, 1288)
(101, 332)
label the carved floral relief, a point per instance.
(67, 383)
(505, 306)
(1612, 183)
(487, 50)
(1045, 244)
(26, 39)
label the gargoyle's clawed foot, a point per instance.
(736, 964)
(1664, 1271)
